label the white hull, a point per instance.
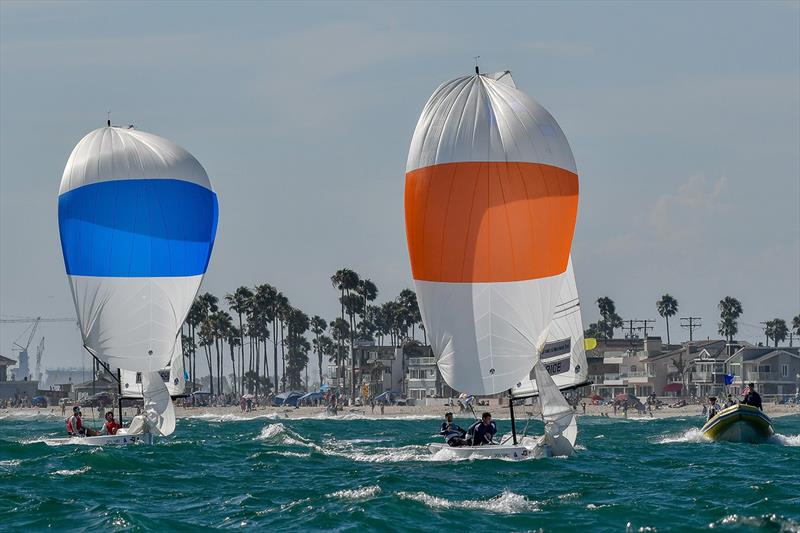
(106, 440)
(498, 451)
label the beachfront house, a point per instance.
(617, 366)
(423, 378)
(378, 368)
(773, 371)
(5, 362)
(683, 370)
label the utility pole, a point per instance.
(691, 323)
(645, 327)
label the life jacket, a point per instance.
(76, 430)
(112, 427)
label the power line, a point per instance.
(691, 323)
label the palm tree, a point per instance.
(318, 327)
(234, 338)
(240, 303)
(346, 281)
(267, 298)
(667, 306)
(610, 319)
(283, 311)
(730, 309)
(408, 301)
(776, 330)
(297, 324)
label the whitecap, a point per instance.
(505, 503)
(786, 440)
(229, 417)
(81, 470)
(357, 494)
(767, 521)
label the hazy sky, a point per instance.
(684, 119)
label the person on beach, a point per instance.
(713, 407)
(453, 433)
(752, 397)
(111, 426)
(730, 402)
(482, 432)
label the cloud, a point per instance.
(695, 205)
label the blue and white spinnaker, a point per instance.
(137, 217)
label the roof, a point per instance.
(713, 347)
(6, 361)
(758, 353)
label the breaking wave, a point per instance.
(229, 417)
(506, 502)
(785, 440)
(81, 470)
(772, 522)
(362, 493)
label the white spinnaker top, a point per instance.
(484, 325)
(113, 153)
(486, 118)
(564, 354)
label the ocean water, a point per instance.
(355, 473)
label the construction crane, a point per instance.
(23, 369)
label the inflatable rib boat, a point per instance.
(739, 423)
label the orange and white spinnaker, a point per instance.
(491, 199)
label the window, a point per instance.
(784, 371)
(765, 368)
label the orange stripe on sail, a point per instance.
(489, 222)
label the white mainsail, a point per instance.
(560, 424)
(564, 354)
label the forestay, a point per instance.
(491, 199)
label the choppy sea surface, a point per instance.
(356, 473)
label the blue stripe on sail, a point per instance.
(137, 228)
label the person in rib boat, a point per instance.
(713, 407)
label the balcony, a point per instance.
(704, 377)
(765, 377)
(421, 361)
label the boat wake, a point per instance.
(785, 440)
(697, 436)
(691, 435)
(77, 471)
(278, 434)
(506, 502)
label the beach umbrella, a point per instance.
(491, 198)
(595, 397)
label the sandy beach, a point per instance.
(390, 412)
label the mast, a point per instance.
(513, 420)
(119, 389)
